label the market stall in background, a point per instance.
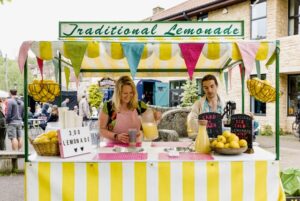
(84, 172)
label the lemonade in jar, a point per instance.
(150, 130)
(149, 125)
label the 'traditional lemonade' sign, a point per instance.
(151, 29)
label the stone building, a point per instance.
(263, 19)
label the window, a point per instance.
(294, 15)
(293, 93)
(259, 20)
(257, 107)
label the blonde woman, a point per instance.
(122, 112)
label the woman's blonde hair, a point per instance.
(116, 99)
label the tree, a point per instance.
(2, 1)
(190, 94)
(95, 95)
(10, 76)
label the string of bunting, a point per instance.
(133, 52)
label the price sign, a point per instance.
(241, 125)
(214, 124)
(74, 141)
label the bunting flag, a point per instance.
(242, 72)
(226, 81)
(235, 52)
(248, 51)
(191, 53)
(40, 64)
(93, 49)
(133, 53)
(56, 69)
(258, 69)
(230, 77)
(23, 53)
(271, 60)
(74, 50)
(67, 76)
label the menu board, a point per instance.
(241, 125)
(214, 124)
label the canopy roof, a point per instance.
(150, 57)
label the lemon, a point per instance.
(243, 143)
(221, 138)
(234, 145)
(233, 137)
(54, 139)
(226, 134)
(214, 143)
(51, 134)
(227, 145)
(220, 145)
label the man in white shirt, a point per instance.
(210, 102)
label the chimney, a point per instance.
(157, 10)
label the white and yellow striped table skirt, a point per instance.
(163, 181)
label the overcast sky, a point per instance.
(22, 20)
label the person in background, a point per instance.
(65, 103)
(84, 108)
(14, 122)
(53, 117)
(210, 102)
(2, 130)
(76, 109)
(122, 112)
(30, 115)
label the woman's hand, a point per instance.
(123, 137)
(157, 115)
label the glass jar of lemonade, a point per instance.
(149, 125)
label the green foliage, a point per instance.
(267, 130)
(10, 76)
(3, 1)
(190, 94)
(283, 133)
(95, 95)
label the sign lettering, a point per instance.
(151, 29)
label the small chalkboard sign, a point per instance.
(241, 125)
(214, 125)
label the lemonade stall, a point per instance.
(150, 49)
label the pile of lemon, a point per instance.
(50, 136)
(228, 140)
(43, 90)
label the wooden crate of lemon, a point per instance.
(229, 144)
(43, 90)
(46, 144)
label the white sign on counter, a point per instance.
(74, 141)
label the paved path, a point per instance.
(289, 149)
(290, 152)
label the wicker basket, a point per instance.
(261, 90)
(46, 148)
(43, 92)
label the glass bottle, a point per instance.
(149, 125)
(202, 144)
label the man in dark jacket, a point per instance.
(14, 121)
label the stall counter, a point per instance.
(242, 177)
